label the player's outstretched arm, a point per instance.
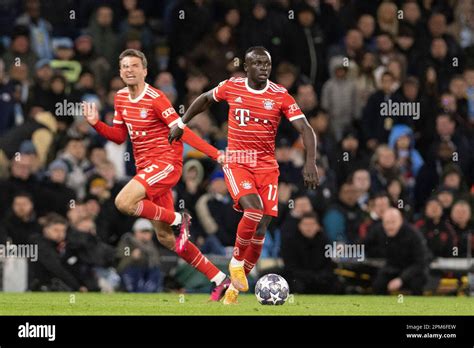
(203, 102)
(117, 134)
(310, 171)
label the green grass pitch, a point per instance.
(196, 304)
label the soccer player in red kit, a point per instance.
(251, 170)
(146, 113)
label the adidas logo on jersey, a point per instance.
(238, 100)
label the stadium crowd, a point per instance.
(343, 61)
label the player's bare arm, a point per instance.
(310, 171)
(202, 103)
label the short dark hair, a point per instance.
(130, 52)
(52, 219)
(255, 48)
(311, 215)
(23, 194)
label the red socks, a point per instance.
(149, 210)
(253, 252)
(245, 231)
(195, 258)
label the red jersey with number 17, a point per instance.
(148, 118)
(254, 116)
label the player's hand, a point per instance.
(175, 134)
(90, 113)
(310, 175)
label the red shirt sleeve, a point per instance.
(219, 93)
(117, 133)
(165, 111)
(290, 108)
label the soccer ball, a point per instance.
(272, 289)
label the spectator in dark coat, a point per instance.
(349, 156)
(371, 230)
(406, 266)
(344, 216)
(383, 168)
(307, 267)
(439, 235)
(20, 223)
(139, 259)
(376, 128)
(217, 216)
(54, 269)
(463, 225)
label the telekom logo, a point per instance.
(242, 115)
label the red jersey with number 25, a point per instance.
(254, 116)
(148, 119)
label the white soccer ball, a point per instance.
(272, 289)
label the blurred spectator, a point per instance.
(55, 268)
(20, 223)
(20, 52)
(216, 55)
(74, 156)
(383, 168)
(370, 231)
(360, 178)
(365, 82)
(55, 181)
(439, 235)
(139, 259)
(40, 29)
(366, 25)
(463, 225)
(307, 43)
(103, 36)
(136, 22)
(339, 97)
(387, 18)
(289, 171)
(349, 155)
(7, 104)
(343, 217)
(376, 127)
(217, 216)
(64, 60)
(307, 267)
(405, 252)
(409, 160)
(431, 172)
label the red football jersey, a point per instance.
(254, 116)
(148, 119)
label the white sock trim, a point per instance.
(177, 219)
(234, 262)
(218, 278)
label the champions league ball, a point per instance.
(272, 289)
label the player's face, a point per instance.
(132, 71)
(258, 66)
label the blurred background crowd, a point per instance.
(341, 60)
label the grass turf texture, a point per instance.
(196, 304)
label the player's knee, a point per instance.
(123, 205)
(254, 214)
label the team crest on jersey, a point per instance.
(143, 113)
(268, 104)
(247, 185)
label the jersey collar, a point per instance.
(137, 99)
(256, 91)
